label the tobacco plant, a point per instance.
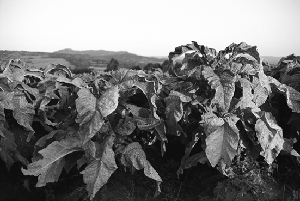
(101, 122)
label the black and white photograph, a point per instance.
(148, 100)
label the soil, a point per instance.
(200, 183)
(192, 185)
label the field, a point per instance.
(214, 126)
(42, 62)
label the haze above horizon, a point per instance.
(149, 28)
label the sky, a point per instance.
(149, 27)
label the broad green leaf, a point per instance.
(85, 106)
(125, 126)
(23, 112)
(8, 149)
(90, 148)
(222, 138)
(95, 124)
(6, 100)
(261, 92)
(242, 49)
(48, 96)
(288, 147)
(209, 53)
(149, 88)
(223, 84)
(174, 113)
(187, 161)
(52, 154)
(27, 90)
(42, 141)
(51, 173)
(263, 79)
(134, 156)
(292, 81)
(270, 136)
(97, 173)
(14, 72)
(247, 49)
(292, 96)
(4, 84)
(88, 115)
(247, 98)
(109, 101)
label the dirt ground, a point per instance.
(200, 183)
(192, 185)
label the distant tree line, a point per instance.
(113, 65)
(83, 62)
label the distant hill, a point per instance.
(121, 56)
(92, 52)
(271, 60)
(90, 58)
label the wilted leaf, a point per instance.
(134, 156)
(192, 161)
(270, 137)
(187, 161)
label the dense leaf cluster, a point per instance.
(221, 100)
